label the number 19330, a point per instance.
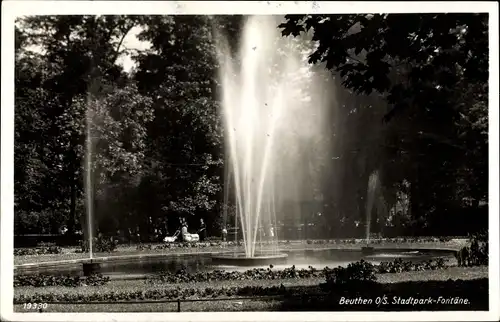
(35, 306)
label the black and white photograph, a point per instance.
(275, 158)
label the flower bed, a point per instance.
(155, 294)
(43, 280)
(41, 250)
(182, 276)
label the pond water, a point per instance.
(134, 268)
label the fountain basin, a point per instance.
(367, 250)
(121, 266)
(240, 259)
(90, 268)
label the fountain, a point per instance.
(90, 266)
(371, 191)
(257, 103)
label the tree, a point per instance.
(139, 169)
(76, 73)
(436, 49)
(185, 140)
(432, 69)
(35, 164)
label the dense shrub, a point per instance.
(354, 273)
(42, 250)
(31, 222)
(94, 280)
(41, 280)
(398, 266)
(100, 244)
(479, 248)
(476, 253)
(141, 247)
(362, 273)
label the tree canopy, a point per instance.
(432, 70)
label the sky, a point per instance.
(131, 42)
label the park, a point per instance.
(251, 163)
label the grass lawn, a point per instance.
(212, 306)
(455, 273)
(308, 285)
(126, 250)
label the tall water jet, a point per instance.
(373, 183)
(91, 266)
(262, 94)
(88, 186)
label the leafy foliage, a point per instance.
(186, 138)
(100, 244)
(38, 251)
(432, 71)
(398, 266)
(359, 272)
(72, 78)
(365, 49)
(145, 171)
(156, 294)
(182, 276)
(42, 280)
(476, 253)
